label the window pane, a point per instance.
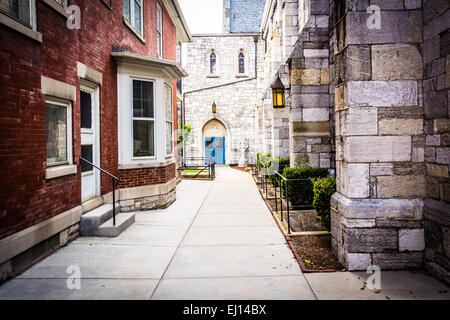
(137, 16)
(212, 63)
(169, 143)
(158, 20)
(56, 120)
(143, 138)
(19, 9)
(241, 63)
(126, 9)
(142, 99)
(168, 102)
(86, 110)
(86, 153)
(159, 45)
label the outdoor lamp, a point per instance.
(278, 94)
(214, 107)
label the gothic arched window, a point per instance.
(212, 63)
(241, 63)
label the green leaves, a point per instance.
(323, 189)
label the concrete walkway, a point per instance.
(217, 241)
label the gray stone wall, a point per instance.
(436, 95)
(236, 95)
(377, 212)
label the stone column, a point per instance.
(377, 211)
(309, 84)
(436, 58)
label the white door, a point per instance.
(90, 142)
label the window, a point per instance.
(62, 2)
(143, 119)
(159, 30)
(22, 10)
(212, 63)
(132, 11)
(169, 118)
(241, 63)
(59, 133)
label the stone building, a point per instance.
(225, 69)
(367, 93)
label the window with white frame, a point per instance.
(58, 132)
(212, 63)
(169, 118)
(62, 2)
(22, 10)
(241, 63)
(159, 30)
(143, 119)
(133, 12)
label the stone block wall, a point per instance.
(436, 96)
(311, 143)
(377, 212)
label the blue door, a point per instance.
(215, 148)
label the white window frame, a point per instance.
(33, 21)
(167, 121)
(159, 32)
(133, 157)
(130, 22)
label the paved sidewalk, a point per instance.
(217, 241)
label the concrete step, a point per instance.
(123, 221)
(90, 221)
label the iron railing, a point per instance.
(199, 163)
(114, 185)
(265, 177)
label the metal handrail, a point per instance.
(210, 167)
(114, 178)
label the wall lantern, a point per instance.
(278, 94)
(214, 108)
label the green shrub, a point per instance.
(323, 189)
(282, 163)
(301, 192)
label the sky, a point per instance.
(203, 16)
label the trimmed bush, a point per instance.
(323, 189)
(301, 192)
(282, 163)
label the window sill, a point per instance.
(60, 171)
(242, 75)
(133, 29)
(56, 6)
(212, 76)
(20, 27)
(147, 164)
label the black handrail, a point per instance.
(114, 178)
(211, 166)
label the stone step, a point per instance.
(90, 221)
(123, 221)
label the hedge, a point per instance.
(323, 189)
(301, 192)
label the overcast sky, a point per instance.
(203, 16)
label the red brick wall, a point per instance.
(147, 176)
(26, 198)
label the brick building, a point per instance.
(93, 79)
(367, 95)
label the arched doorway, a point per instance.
(214, 133)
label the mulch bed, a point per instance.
(315, 253)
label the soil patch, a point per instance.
(315, 253)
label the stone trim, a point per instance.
(27, 238)
(85, 72)
(58, 89)
(147, 191)
(147, 165)
(60, 171)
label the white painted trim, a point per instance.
(69, 136)
(23, 240)
(147, 165)
(20, 27)
(60, 171)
